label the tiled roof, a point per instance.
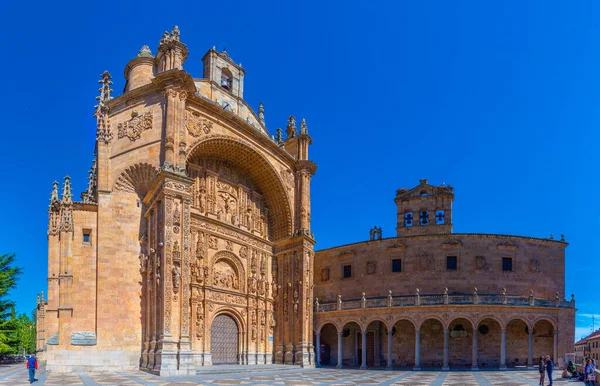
(593, 335)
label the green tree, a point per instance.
(9, 331)
(8, 280)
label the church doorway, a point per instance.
(224, 340)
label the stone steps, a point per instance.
(237, 369)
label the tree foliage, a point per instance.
(17, 332)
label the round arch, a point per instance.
(235, 261)
(492, 317)
(464, 317)
(376, 319)
(245, 156)
(547, 319)
(425, 319)
(404, 318)
(225, 310)
(345, 323)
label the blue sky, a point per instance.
(498, 99)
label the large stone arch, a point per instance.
(248, 158)
(233, 260)
(493, 317)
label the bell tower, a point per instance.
(222, 70)
(424, 209)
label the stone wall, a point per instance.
(538, 265)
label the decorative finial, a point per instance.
(54, 194)
(291, 127)
(167, 37)
(303, 128)
(175, 34)
(279, 137)
(551, 236)
(89, 196)
(144, 52)
(261, 113)
(475, 290)
(103, 132)
(503, 291)
(445, 290)
(530, 292)
(67, 195)
(562, 237)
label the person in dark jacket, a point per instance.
(549, 368)
(32, 365)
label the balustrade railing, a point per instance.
(433, 300)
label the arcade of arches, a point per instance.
(434, 343)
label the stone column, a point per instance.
(363, 366)
(503, 349)
(318, 334)
(530, 355)
(340, 365)
(474, 365)
(555, 350)
(390, 361)
(445, 366)
(417, 350)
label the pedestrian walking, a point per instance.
(549, 369)
(32, 365)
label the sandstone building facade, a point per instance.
(428, 297)
(192, 246)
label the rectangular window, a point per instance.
(451, 263)
(86, 235)
(347, 271)
(507, 264)
(397, 265)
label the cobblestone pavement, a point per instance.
(17, 375)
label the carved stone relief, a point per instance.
(325, 274)
(424, 262)
(371, 267)
(224, 275)
(481, 264)
(196, 125)
(534, 265)
(133, 128)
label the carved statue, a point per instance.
(176, 278)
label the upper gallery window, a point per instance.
(347, 271)
(397, 265)
(423, 193)
(408, 219)
(424, 218)
(507, 264)
(226, 78)
(440, 216)
(451, 263)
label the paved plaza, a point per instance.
(17, 375)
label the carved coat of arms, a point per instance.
(424, 262)
(371, 267)
(133, 128)
(196, 125)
